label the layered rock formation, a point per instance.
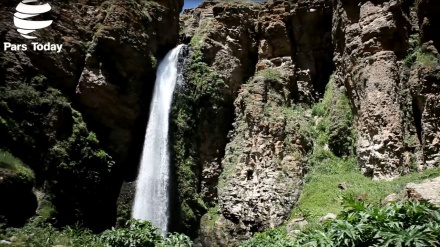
(382, 53)
(386, 93)
(236, 40)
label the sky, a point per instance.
(193, 3)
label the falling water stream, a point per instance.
(152, 188)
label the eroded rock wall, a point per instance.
(383, 61)
(383, 53)
(239, 41)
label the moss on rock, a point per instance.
(16, 183)
(197, 115)
(38, 124)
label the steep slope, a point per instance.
(275, 59)
(268, 143)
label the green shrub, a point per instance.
(270, 74)
(177, 240)
(407, 223)
(135, 234)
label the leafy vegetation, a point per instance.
(274, 237)
(270, 74)
(406, 224)
(134, 234)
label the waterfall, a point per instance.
(152, 187)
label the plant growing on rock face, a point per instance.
(198, 108)
(270, 74)
(38, 124)
(418, 54)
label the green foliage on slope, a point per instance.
(333, 162)
(407, 223)
(16, 166)
(134, 234)
(38, 125)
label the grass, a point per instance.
(321, 194)
(9, 162)
(270, 74)
(205, 27)
(419, 55)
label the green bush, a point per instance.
(135, 234)
(270, 74)
(177, 240)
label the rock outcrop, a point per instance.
(382, 53)
(238, 39)
(427, 190)
(370, 38)
(263, 164)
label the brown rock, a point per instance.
(428, 190)
(369, 40)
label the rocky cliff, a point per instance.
(276, 59)
(268, 90)
(77, 117)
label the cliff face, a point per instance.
(275, 58)
(269, 63)
(243, 122)
(78, 117)
(384, 63)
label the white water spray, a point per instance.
(152, 189)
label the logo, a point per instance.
(26, 10)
